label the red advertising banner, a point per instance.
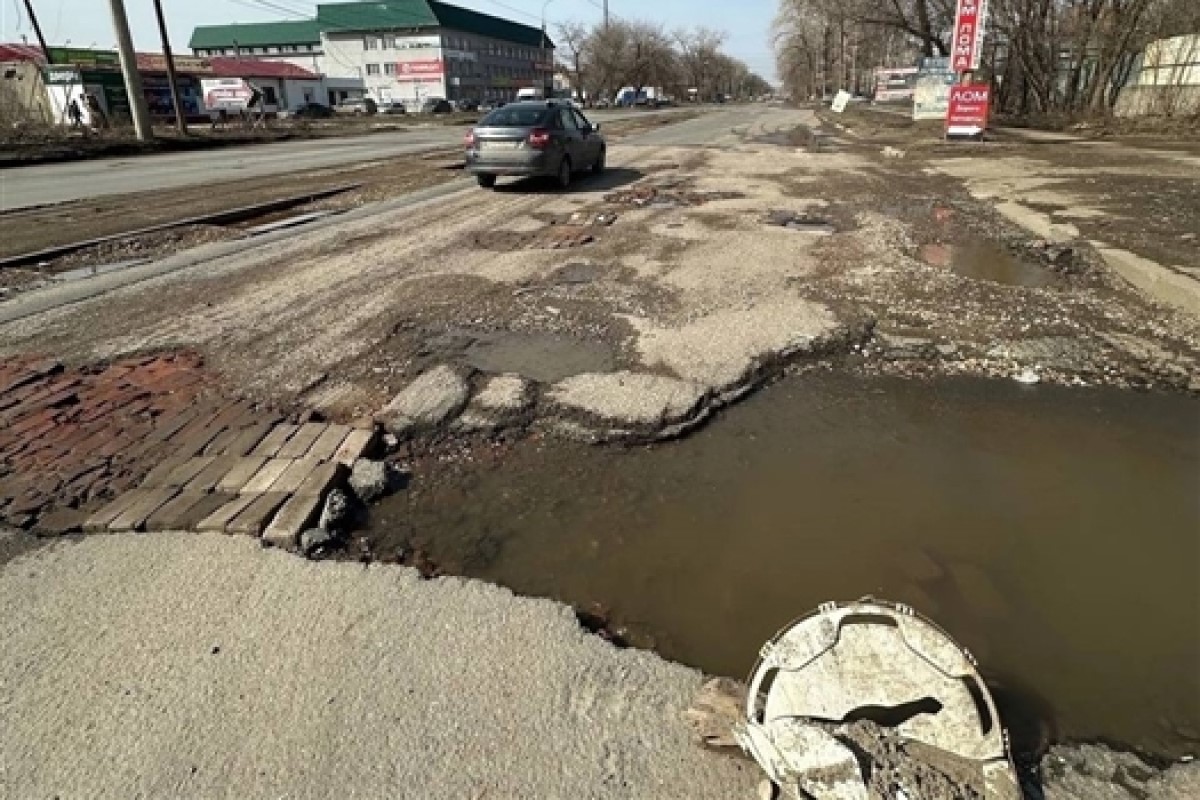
(967, 44)
(428, 66)
(968, 112)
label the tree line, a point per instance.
(602, 59)
(1041, 56)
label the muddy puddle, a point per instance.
(541, 356)
(1055, 532)
(984, 260)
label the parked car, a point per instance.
(436, 105)
(356, 106)
(395, 107)
(312, 111)
(545, 139)
(467, 104)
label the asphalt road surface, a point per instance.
(21, 187)
(195, 665)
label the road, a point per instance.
(203, 666)
(54, 183)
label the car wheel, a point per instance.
(564, 173)
(486, 181)
(598, 167)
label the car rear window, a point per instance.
(510, 117)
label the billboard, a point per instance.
(420, 68)
(931, 94)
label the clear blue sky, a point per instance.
(84, 22)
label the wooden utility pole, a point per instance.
(180, 117)
(606, 14)
(37, 30)
(129, 68)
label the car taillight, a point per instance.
(469, 139)
(539, 138)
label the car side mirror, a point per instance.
(595, 126)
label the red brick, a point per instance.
(33, 372)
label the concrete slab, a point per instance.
(349, 680)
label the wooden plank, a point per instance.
(274, 440)
(206, 479)
(356, 445)
(291, 478)
(295, 517)
(240, 474)
(101, 519)
(247, 439)
(158, 475)
(133, 518)
(329, 442)
(187, 470)
(220, 519)
(165, 518)
(322, 479)
(302, 441)
(254, 517)
(190, 518)
(266, 476)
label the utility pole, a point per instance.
(180, 118)
(37, 29)
(133, 79)
(606, 14)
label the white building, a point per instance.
(399, 50)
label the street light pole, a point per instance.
(129, 68)
(176, 102)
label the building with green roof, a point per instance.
(403, 50)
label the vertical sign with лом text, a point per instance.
(967, 45)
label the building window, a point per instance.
(372, 69)
(370, 43)
(269, 97)
(389, 68)
(389, 43)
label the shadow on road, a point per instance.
(584, 183)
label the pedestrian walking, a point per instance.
(74, 113)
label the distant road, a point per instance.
(56, 183)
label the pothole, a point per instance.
(799, 222)
(667, 197)
(543, 357)
(983, 260)
(555, 237)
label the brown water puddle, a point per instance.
(1055, 532)
(984, 260)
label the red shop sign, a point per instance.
(968, 112)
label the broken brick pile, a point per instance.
(148, 444)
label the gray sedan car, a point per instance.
(534, 139)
